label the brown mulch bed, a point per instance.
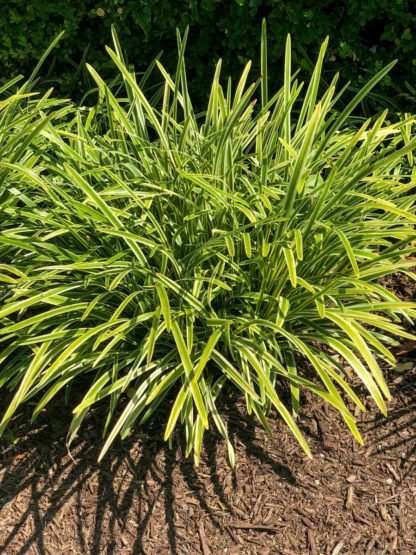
(146, 499)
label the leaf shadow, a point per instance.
(112, 503)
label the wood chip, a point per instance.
(202, 538)
(383, 513)
(394, 541)
(402, 524)
(338, 548)
(312, 543)
(359, 518)
(248, 526)
(370, 546)
(393, 471)
(233, 535)
(350, 497)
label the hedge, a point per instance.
(364, 36)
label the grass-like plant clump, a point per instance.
(166, 256)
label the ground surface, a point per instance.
(146, 499)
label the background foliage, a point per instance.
(364, 35)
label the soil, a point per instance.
(145, 498)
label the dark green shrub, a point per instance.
(364, 35)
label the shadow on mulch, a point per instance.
(398, 430)
(43, 478)
(147, 499)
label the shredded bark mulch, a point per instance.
(145, 498)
